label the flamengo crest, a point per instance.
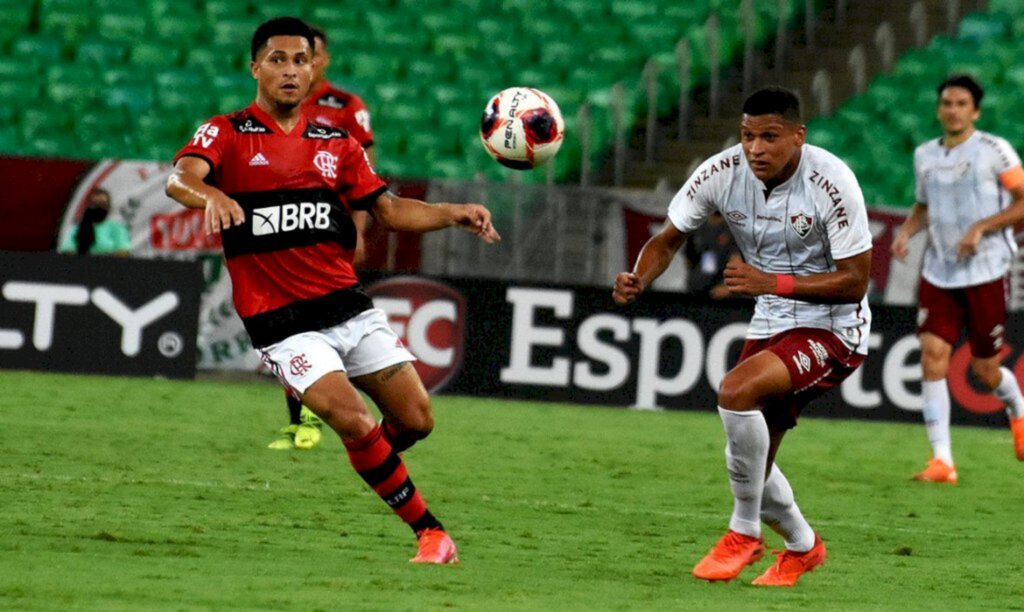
(801, 224)
(327, 164)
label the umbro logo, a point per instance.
(259, 160)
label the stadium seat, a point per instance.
(125, 26)
(101, 52)
(154, 54)
(210, 60)
(182, 30)
(70, 22)
(43, 47)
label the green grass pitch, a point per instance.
(138, 494)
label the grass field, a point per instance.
(146, 494)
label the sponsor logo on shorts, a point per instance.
(819, 352)
(430, 319)
(803, 362)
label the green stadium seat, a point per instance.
(457, 44)
(210, 61)
(17, 17)
(154, 54)
(23, 87)
(101, 52)
(181, 30)
(43, 47)
(628, 10)
(55, 145)
(136, 98)
(382, 20)
(235, 33)
(18, 67)
(979, 27)
(73, 94)
(123, 26)
(426, 69)
(71, 22)
(126, 74)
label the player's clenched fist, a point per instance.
(628, 287)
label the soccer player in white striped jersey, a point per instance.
(965, 179)
(797, 215)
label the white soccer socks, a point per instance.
(746, 453)
(936, 418)
(1008, 392)
(780, 512)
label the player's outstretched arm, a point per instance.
(847, 285)
(410, 215)
(915, 222)
(186, 185)
(654, 258)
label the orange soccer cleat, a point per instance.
(937, 471)
(1017, 427)
(730, 555)
(789, 565)
(435, 546)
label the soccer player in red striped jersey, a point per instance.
(331, 106)
(279, 189)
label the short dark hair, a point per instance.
(773, 100)
(967, 82)
(280, 26)
(318, 32)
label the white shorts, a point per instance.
(362, 345)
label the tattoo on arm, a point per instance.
(389, 373)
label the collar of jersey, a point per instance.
(269, 121)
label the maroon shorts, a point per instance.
(817, 361)
(981, 308)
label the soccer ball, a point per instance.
(522, 128)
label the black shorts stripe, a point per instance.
(322, 312)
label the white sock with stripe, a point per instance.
(746, 453)
(936, 418)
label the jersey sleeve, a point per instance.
(919, 191)
(698, 197)
(358, 183)
(209, 142)
(847, 219)
(1006, 164)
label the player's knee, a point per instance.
(987, 373)
(735, 393)
(418, 420)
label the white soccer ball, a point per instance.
(522, 127)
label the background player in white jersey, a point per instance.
(965, 179)
(798, 217)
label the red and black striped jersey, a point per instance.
(290, 261)
(338, 108)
